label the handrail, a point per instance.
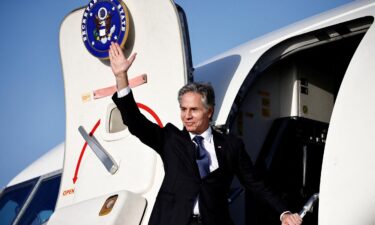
(107, 160)
(308, 207)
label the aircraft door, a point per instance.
(102, 158)
(347, 186)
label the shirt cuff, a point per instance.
(123, 92)
(282, 214)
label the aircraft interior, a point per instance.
(283, 114)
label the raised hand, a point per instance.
(120, 65)
(291, 219)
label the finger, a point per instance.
(132, 58)
(111, 50)
(289, 219)
(294, 219)
(297, 218)
(118, 49)
(111, 56)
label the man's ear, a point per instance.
(210, 112)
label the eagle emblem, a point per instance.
(104, 30)
(103, 22)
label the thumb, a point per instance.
(132, 58)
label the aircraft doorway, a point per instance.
(284, 114)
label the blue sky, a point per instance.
(32, 115)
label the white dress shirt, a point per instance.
(123, 92)
(208, 143)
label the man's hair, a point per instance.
(204, 89)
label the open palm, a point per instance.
(119, 63)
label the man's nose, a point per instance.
(188, 114)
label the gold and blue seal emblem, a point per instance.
(103, 22)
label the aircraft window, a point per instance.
(186, 39)
(115, 123)
(12, 200)
(43, 203)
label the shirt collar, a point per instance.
(207, 135)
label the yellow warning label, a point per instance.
(86, 97)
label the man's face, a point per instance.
(194, 116)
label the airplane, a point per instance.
(299, 97)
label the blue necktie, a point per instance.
(203, 157)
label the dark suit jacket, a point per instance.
(182, 182)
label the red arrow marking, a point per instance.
(141, 106)
(152, 113)
(83, 151)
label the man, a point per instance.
(199, 163)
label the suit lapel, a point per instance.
(220, 148)
(189, 145)
(190, 151)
